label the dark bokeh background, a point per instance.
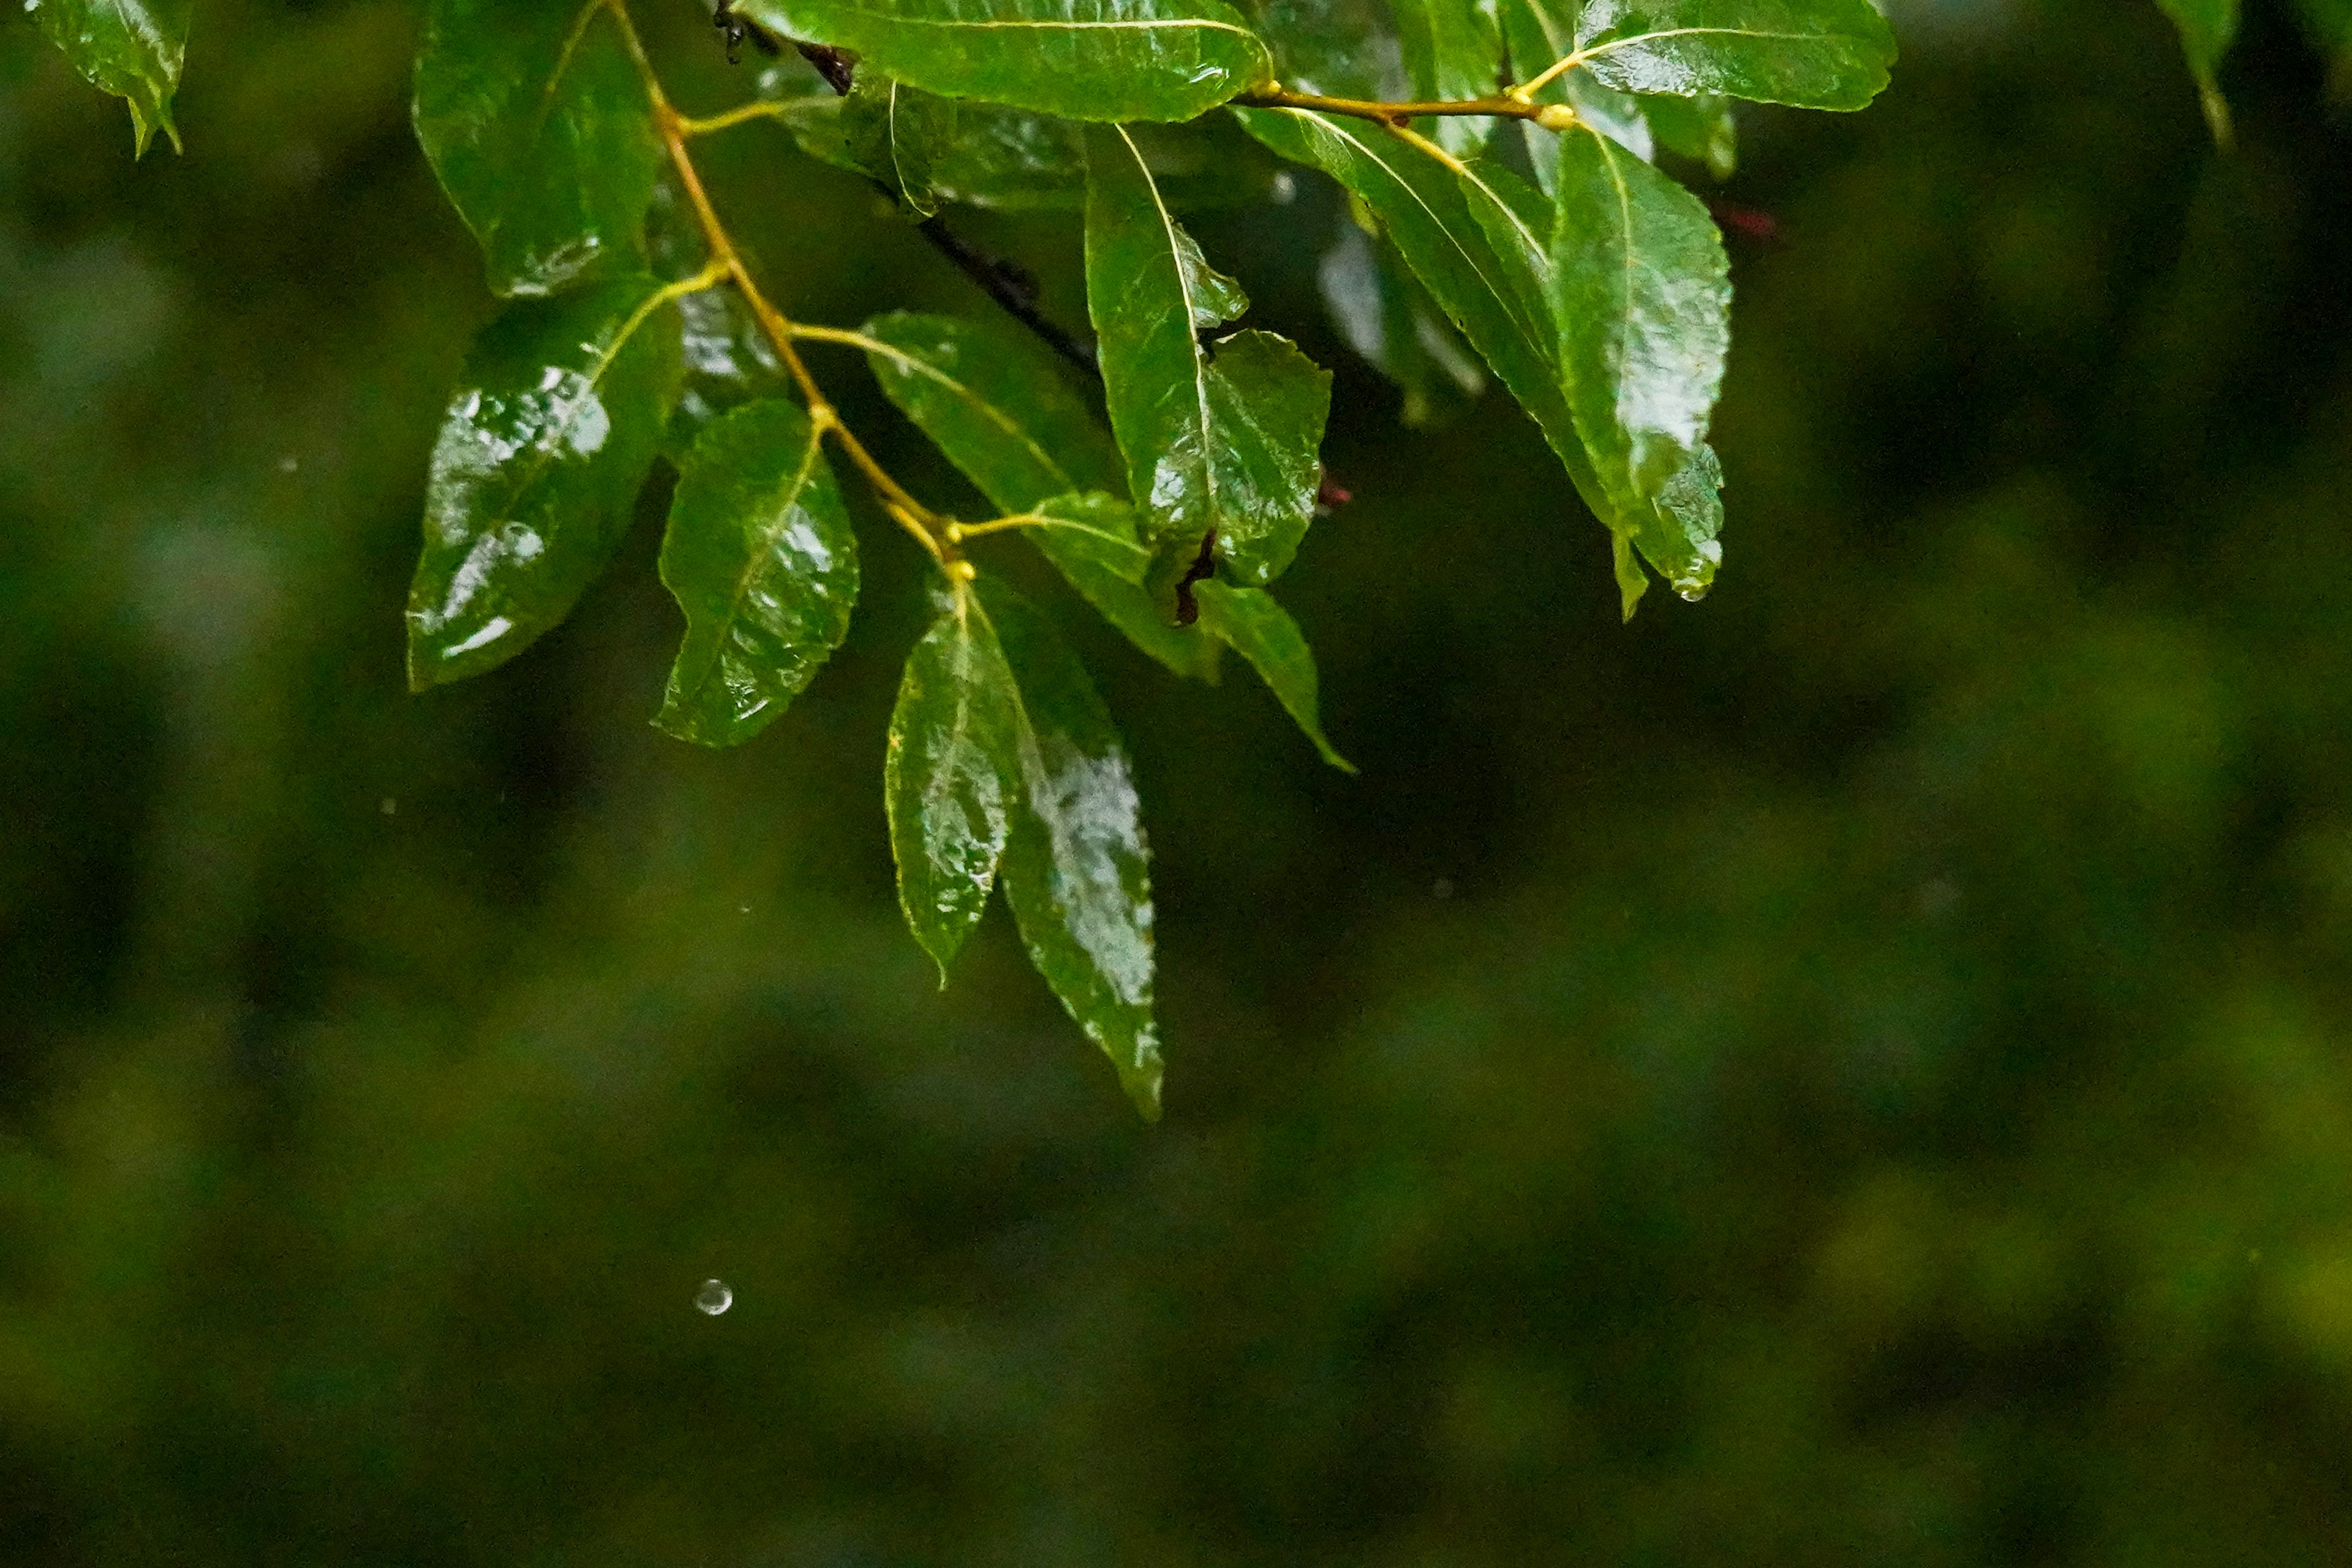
(1854, 1071)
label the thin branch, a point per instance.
(1015, 292)
(1502, 106)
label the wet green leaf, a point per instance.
(1342, 48)
(1387, 317)
(1249, 621)
(760, 556)
(1452, 50)
(1642, 294)
(899, 134)
(1814, 54)
(538, 127)
(1004, 412)
(951, 776)
(548, 438)
(2207, 27)
(1076, 866)
(1086, 60)
(729, 363)
(1479, 241)
(130, 48)
(1537, 33)
(1220, 439)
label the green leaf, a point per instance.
(1387, 318)
(537, 126)
(1342, 49)
(130, 48)
(899, 134)
(1452, 50)
(1076, 867)
(1642, 294)
(1537, 33)
(2207, 29)
(548, 438)
(1261, 631)
(1221, 439)
(952, 777)
(729, 363)
(1096, 526)
(1814, 54)
(1004, 413)
(1086, 60)
(760, 556)
(1479, 241)
(1699, 128)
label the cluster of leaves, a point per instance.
(1508, 220)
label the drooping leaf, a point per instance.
(1700, 129)
(1249, 621)
(1479, 241)
(1222, 440)
(537, 126)
(899, 134)
(951, 776)
(1086, 59)
(1642, 295)
(1077, 871)
(548, 438)
(1387, 318)
(1452, 50)
(1004, 414)
(2207, 29)
(132, 48)
(1814, 54)
(759, 555)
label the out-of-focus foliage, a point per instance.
(1854, 1074)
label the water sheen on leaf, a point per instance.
(1249, 621)
(952, 776)
(554, 423)
(1005, 414)
(1076, 866)
(1222, 440)
(759, 555)
(537, 126)
(1086, 59)
(1814, 54)
(1642, 294)
(132, 48)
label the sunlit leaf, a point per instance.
(554, 423)
(1221, 439)
(951, 776)
(760, 556)
(1815, 53)
(130, 48)
(1086, 60)
(1261, 631)
(538, 127)
(1076, 867)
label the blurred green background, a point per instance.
(1852, 1072)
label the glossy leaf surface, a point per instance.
(1478, 240)
(1642, 294)
(554, 423)
(1452, 50)
(538, 127)
(1220, 439)
(132, 48)
(1814, 54)
(1086, 59)
(1387, 318)
(1248, 621)
(1076, 867)
(759, 555)
(1344, 48)
(952, 777)
(1004, 414)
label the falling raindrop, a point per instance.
(714, 1298)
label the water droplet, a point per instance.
(1282, 188)
(388, 805)
(713, 1298)
(1693, 591)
